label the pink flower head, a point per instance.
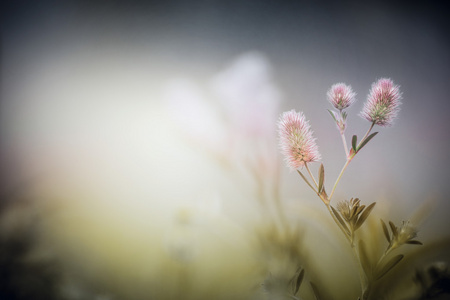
(383, 103)
(341, 96)
(296, 140)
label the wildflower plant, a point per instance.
(299, 148)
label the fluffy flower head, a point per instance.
(383, 103)
(341, 96)
(296, 140)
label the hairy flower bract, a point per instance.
(383, 103)
(341, 96)
(296, 140)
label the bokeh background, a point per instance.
(122, 120)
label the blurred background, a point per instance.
(139, 143)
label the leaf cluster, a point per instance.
(377, 271)
(352, 215)
(355, 147)
(395, 237)
(399, 236)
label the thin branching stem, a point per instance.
(337, 222)
(339, 177)
(311, 175)
(345, 143)
(350, 239)
(385, 254)
(362, 276)
(349, 159)
(367, 133)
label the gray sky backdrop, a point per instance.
(311, 45)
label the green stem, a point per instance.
(363, 279)
(385, 254)
(341, 130)
(345, 144)
(367, 134)
(362, 276)
(349, 159)
(311, 175)
(337, 222)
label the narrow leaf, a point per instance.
(364, 215)
(338, 217)
(385, 230)
(299, 281)
(366, 140)
(414, 242)
(315, 291)
(306, 180)
(323, 195)
(365, 262)
(360, 209)
(321, 178)
(389, 265)
(332, 115)
(354, 138)
(393, 229)
(353, 211)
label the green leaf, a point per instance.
(354, 138)
(323, 195)
(414, 242)
(364, 259)
(364, 215)
(315, 291)
(338, 217)
(360, 209)
(353, 211)
(385, 230)
(332, 115)
(393, 229)
(366, 140)
(306, 180)
(321, 178)
(389, 265)
(299, 281)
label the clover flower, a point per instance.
(296, 140)
(406, 233)
(341, 96)
(383, 103)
